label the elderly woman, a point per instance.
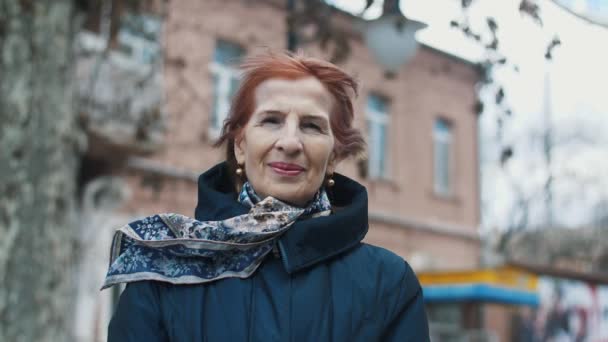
(275, 251)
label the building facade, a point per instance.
(421, 172)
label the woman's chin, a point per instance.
(295, 199)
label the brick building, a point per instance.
(422, 168)
(422, 173)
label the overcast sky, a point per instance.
(576, 96)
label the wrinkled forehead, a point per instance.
(307, 91)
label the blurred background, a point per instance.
(486, 165)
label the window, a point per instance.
(442, 139)
(377, 123)
(445, 314)
(139, 37)
(135, 47)
(225, 82)
(446, 321)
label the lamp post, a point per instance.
(548, 143)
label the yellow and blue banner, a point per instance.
(508, 285)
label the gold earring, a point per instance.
(330, 182)
(239, 171)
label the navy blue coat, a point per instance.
(323, 285)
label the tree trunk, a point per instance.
(39, 159)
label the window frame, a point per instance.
(445, 137)
(226, 72)
(377, 167)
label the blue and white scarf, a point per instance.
(181, 250)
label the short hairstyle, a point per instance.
(257, 69)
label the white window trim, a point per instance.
(139, 45)
(225, 75)
(93, 42)
(377, 118)
(443, 138)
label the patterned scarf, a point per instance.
(181, 250)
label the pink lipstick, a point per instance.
(286, 169)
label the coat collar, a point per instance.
(309, 241)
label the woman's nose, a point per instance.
(289, 141)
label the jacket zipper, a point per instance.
(275, 250)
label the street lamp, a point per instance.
(592, 11)
(392, 40)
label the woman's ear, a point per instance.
(332, 163)
(239, 151)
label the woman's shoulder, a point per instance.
(381, 263)
(378, 277)
(380, 257)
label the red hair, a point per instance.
(257, 69)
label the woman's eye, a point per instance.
(270, 120)
(313, 126)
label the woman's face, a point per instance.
(287, 144)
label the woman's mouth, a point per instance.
(286, 169)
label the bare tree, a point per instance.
(39, 157)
